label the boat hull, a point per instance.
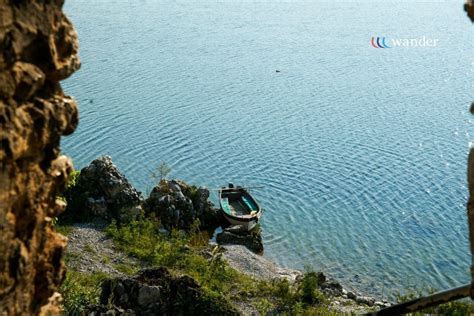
(248, 225)
(246, 212)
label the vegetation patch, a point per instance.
(189, 253)
(126, 268)
(64, 229)
(80, 290)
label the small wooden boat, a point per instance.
(239, 207)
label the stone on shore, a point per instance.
(236, 235)
(369, 301)
(247, 262)
(331, 288)
(102, 191)
(178, 205)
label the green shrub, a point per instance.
(309, 291)
(75, 197)
(457, 308)
(73, 176)
(160, 172)
(198, 239)
(79, 290)
(282, 288)
(214, 303)
(66, 197)
(138, 238)
(263, 306)
(126, 269)
(64, 229)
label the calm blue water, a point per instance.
(362, 151)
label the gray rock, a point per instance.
(331, 288)
(147, 295)
(179, 205)
(351, 295)
(156, 292)
(234, 235)
(369, 301)
(103, 191)
(237, 229)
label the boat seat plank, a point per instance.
(240, 207)
(249, 204)
(227, 207)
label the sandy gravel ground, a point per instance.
(90, 250)
(257, 266)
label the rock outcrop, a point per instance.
(38, 48)
(178, 205)
(102, 191)
(157, 292)
(236, 235)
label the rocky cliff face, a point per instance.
(38, 48)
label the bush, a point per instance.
(309, 291)
(80, 290)
(73, 176)
(458, 308)
(138, 239)
(300, 298)
(75, 198)
(66, 196)
(161, 172)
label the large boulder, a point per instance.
(102, 191)
(178, 205)
(156, 291)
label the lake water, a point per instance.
(362, 151)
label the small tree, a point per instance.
(161, 172)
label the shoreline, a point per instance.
(101, 193)
(88, 243)
(343, 299)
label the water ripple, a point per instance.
(362, 152)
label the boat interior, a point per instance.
(238, 203)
